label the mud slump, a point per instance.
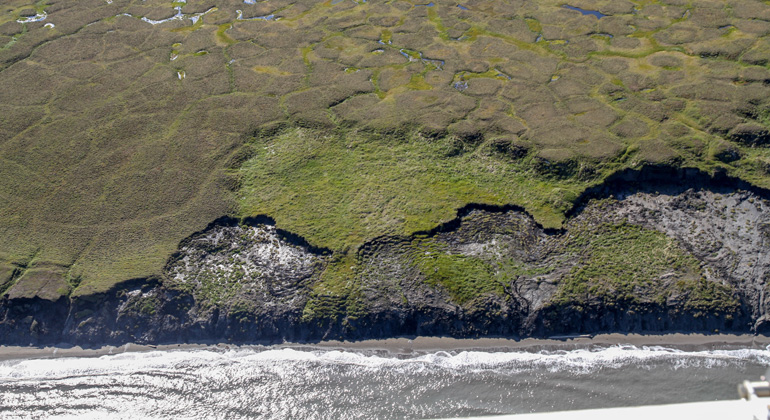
(656, 250)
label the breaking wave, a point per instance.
(296, 383)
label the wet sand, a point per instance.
(407, 346)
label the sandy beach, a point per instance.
(406, 346)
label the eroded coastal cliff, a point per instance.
(303, 170)
(655, 250)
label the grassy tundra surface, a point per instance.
(126, 126)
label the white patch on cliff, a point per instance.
(252, 258)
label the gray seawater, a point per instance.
(303, 384)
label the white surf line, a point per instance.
(579, 360)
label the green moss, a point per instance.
(305, 55)
(620, 258)
(222, 36)
(339, 189)
(417, 82)
(534, 25)
(625, 263)
(386, 37)
(463, 277)
(706, 297)
(8, 274)
(337, 294)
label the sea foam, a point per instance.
(578, 360)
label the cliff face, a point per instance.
(656, 250)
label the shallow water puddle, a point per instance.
(595, 13)
(239, 16)
(30, 19)
(178, 16)
(417, 56)
(500, 75)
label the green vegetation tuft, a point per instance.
(337, 295)
(619, 259)
(463, 277)
(634, 265)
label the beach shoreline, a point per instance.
(405, 346)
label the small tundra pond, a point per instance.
(279, 383)
(594, 13)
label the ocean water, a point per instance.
(290, 383)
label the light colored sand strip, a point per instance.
(689, 342)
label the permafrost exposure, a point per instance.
(252, 262)
(622, 262)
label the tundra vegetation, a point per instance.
(128, 125)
